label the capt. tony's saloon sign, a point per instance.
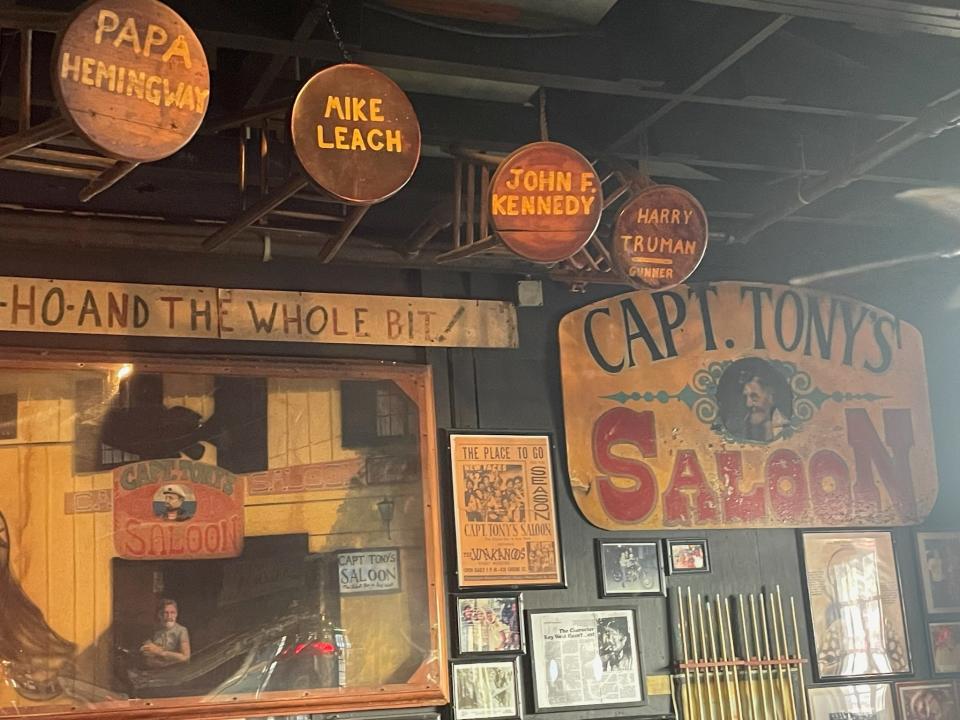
(745, 405)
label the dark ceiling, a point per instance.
(795, 122)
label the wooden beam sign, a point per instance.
(545, 201)
(100, 308)
(132, 78)
(660, 237)
(355, 133)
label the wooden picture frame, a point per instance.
(296, 516)
(498, 630)
(855, 570)
(630, 567)
(927, 700)
(486, 689)
(604, 641)
(939, 562)
(873, 700)
(504, 503)
(687, 555)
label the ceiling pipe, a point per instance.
(933, 121)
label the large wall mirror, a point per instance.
(260, 536)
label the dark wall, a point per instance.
(520, 390)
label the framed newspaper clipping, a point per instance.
(505, 513)
(585, 659)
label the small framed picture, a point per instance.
(687, 556)
(489, 623)
(945, 647)
(871, 702)
(488, 689)
(628, 567)
(927, 700)
(940, 569)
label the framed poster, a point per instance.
(489, 623)
(208, 518)
(687, 556)
(928, 701)
(852, 702)
(944, 647)
(505, 510)
(855, 606)
(585, 659)
(485, 690)
(940, 569)
(628, 567)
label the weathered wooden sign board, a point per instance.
(100, 308)
(355, 133)
(176, 509)
(132, 78)
(660, 237)
(738, 405)
(545, 201)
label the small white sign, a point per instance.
(369, 571)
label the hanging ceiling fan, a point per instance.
(944, 201)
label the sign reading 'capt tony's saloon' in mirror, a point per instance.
(745, 405)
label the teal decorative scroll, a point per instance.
(700, 395)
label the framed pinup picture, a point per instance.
(687, 556)
(488, 689)
(945, 647)
(863, 702)
(504, 507)
(927, 700)
(855, 605)
(940, 570)
(489, 624)
(629, 567)
(585, 659)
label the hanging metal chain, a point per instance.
(336, 32)
(544, 130)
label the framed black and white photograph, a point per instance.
(485, 690)
(628, 567)
(687, 556)
(863, 702)
(940, 569)
(489, 623)
(585, 659)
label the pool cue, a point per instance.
(796, 640)
(765, 701)
(747, 656)
(766, 644)
(786, 652)
(696, 659)
(706, 663)
(721, 695)
(733, 653)
(784, 694)
(685, 695)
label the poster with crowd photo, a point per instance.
(585, 658)
(505, 510)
